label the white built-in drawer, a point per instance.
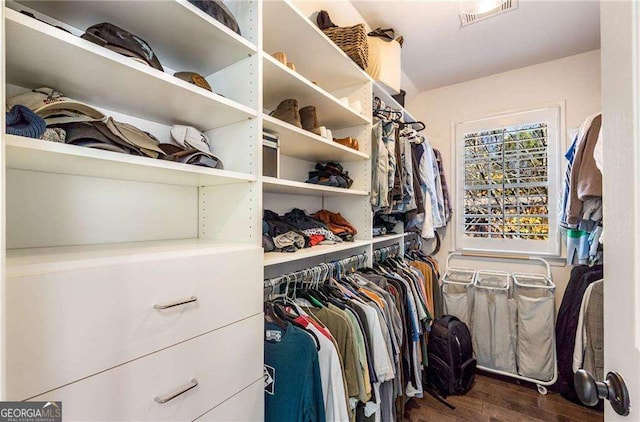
(245, 406)
(223, 363)
(63, 326)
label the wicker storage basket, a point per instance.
(353, 41)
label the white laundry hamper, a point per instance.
(511, 318)
(457, 293)
(535, 297)
(494, 321)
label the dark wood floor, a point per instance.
(493, 399)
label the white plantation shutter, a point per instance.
(507, 183)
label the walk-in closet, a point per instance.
(319, 210)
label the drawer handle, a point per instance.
(176, 303)
(181, 390)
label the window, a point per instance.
(507, 183)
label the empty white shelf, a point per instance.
(209, 46)
(273, 258)
(52, 157)
(281, 83)
(286, 29)
(64, 258)
(387, 237)
(380, 91)
(40, 55)
(302, 144)
(289, 187)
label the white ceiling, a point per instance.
(438, 52)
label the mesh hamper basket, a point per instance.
(457, 293)
(353, 41)
(494, 321)
(535, 296)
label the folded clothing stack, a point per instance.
(337, 224)
(330, 174)
(382, 226)
(296, 230)
(47, 114)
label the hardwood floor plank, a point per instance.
(551, 402)
(428, 405)
(498, 413)
(495, 399)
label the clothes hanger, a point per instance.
(270, 315)
(420, 128)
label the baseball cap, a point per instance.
(54, 107)
(121, 41)
(217, 10)
(188, 136)
(188, 145)
(195, 79)
(135, 137)
(95, 135)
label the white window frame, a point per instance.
(553, 115)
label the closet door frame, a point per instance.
(620, 62)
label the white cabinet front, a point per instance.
(64, 326)
(176, 384)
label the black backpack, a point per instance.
(451, 367)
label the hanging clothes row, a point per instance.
(581, 211)
(345, 342)
(408, 180)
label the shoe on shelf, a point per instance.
(348, 142)
(281, 57)
(309, 119)
(287, 111)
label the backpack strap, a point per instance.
(445, 320)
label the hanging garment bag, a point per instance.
(494, 321)
(535, 296)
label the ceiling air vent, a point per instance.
(484, 9)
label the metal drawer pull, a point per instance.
(168, 397)
(176, 303)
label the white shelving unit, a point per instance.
(273, 185)
(158, 26)
(42, 57)
(21, 262)
(302, 144)
(94, 239)
(323, 75)
(288, 30)
(49, 157)
(387, 238)
(273, 258)
(281, 83)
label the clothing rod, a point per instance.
(323, 268)
(385, 252)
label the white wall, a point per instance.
(574, 79)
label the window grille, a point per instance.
(507, 183)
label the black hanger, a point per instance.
(281, 312)
(271, 315)
(421, 125)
